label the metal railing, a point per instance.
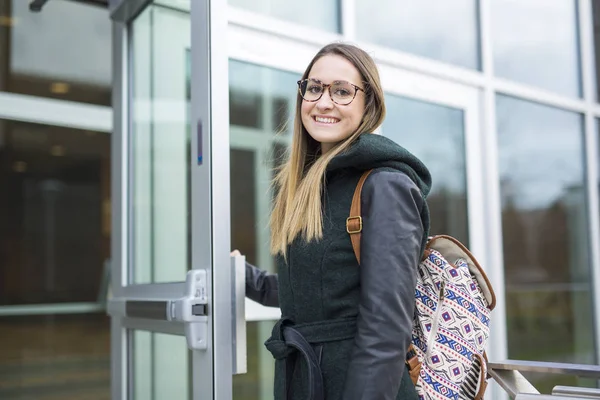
(508, 375)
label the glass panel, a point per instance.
(243, 202)
(257, 384)
(536, 42)
(160, 149)
(544, 222)
(261, 108)
(444, 31)
(262, 103)
(45, 54)
(314, 13)
(55, 213)
(596, 32)
(415, 125)
(261, 98)
(55, 357)
(160, 366)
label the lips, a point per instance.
(326, 120)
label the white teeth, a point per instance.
(326, 120)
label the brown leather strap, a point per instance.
(414, 369)
(413, 364)
(354, 221)
(483, 379)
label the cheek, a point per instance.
(306, 108)
(355, 114)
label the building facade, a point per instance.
(499, 98)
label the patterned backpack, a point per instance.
(454, 298)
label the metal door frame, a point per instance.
(211, 368)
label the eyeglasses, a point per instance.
(341, 92)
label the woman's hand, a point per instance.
(235, 253)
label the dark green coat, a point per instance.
(357, 318)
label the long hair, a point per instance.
(298, 184)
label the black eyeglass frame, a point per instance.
(328, 87)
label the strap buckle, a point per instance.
(353, 231)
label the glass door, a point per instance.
(177, 312)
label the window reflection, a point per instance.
(596, 27)
(323, 15)
(535, 42)
(45, 54)
(447, 31)
(544, 221)
(54, 241)
(160, 366)
(261, 103)
(159, 142)
(243, 202)
(55, 213)
(415, 125)
(257, 383)
(55, 357)
(261, 98)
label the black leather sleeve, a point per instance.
(261, 286)
(390, 252)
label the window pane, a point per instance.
(243, 202)
(54, 213)
(415, 125)
(447, 31)
(262, 101)
(314, 13)
(45, 54)
(159, 366)
(535, 42)
(55, 357)
(261, 104)
(261, 98)
(160, 149)
(257, 383)
(596, 27)
(544, 221)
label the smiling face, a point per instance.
(325, 121)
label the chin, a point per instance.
(328, 139)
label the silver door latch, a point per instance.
(192, 309)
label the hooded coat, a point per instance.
(355, 319)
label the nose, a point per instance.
(325, 102)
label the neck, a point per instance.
(325, 147)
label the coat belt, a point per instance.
(289, 339)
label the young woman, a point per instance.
(346, 326)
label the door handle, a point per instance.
(238, 314)
(192, 309)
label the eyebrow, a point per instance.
(336, 81)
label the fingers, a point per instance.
(235, 253)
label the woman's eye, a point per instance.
(314, 89)
(342, 92)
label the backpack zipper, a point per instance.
(435, 324)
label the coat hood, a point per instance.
(371, 151)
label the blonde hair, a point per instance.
(298, 184)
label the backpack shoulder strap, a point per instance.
(354, 221)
